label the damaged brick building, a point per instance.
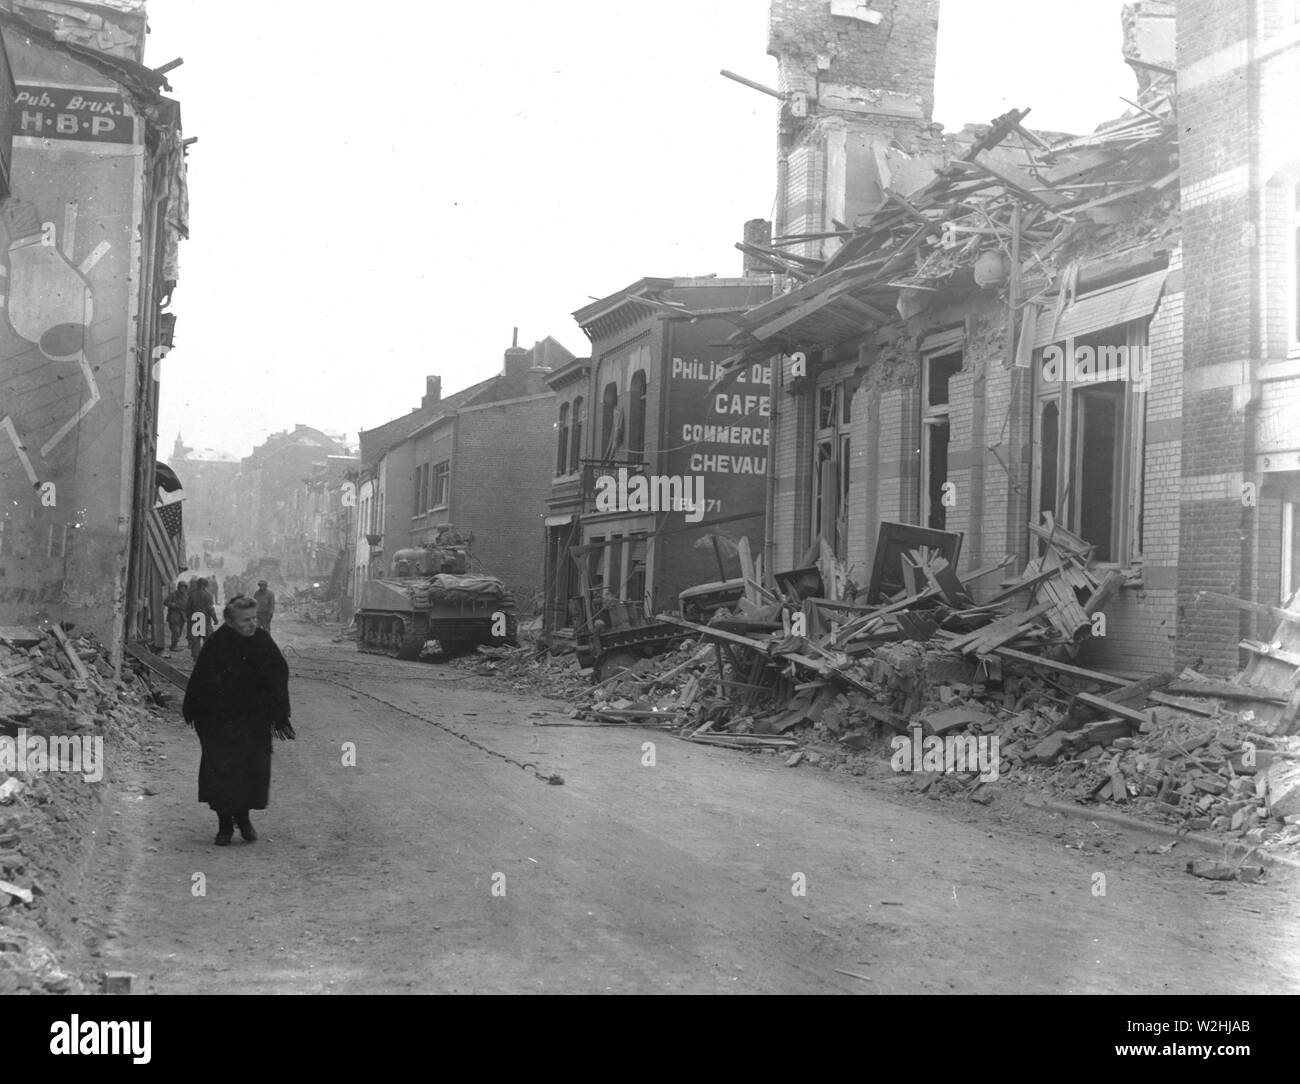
(1094, 335)
(640, 406)
(475, 460)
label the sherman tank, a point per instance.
(431, 604)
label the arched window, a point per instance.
(608, 421)
(575, 439)
(636, 413)
(562, 441)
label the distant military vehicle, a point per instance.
(431, 604)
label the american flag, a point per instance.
(170, 514)
(163, 532)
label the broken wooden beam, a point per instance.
(1060, 667)
(163, 669)
(73, 657)
(1137, 691)
(1224, 690)
(1111, 707)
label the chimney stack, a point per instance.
(432, 392)
(758, 231)
(517, 360)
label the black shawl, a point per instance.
(239, 679)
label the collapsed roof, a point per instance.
(1034, 207)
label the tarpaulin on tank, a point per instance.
(448, 588)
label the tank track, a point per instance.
(415, 633)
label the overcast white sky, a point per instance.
(383, 191)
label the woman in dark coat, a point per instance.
(238, 695)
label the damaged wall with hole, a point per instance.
(856, 121)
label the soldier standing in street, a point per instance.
(265, 599)
(177, 610)
(200, 616)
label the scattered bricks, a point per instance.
(1048, 749)
(1209, 784)
(1102, 732)
(1283, 781)
(1221, 824)
(1238, 819)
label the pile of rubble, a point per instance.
(839, 679)
(53, 685)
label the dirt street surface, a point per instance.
(436, 865)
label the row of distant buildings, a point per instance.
(914, 341)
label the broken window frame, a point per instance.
(1073, 400)
(832, 402)
(939, 346)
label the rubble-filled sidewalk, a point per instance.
(831, 680)
(62, 716)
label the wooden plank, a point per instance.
(20, 636)
(943, 579)
(1016, 588)
(1181, 703)
(1224, 690)
(984, 640)
(1291, 658)
(1108, 586)
(1021, 183)
(1060, 667)
(73, 657)
(1136, 691)
(163, 669)
(1111, 707)
(747, 568)
(988, 570)
(1056, 535)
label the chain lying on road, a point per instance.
(553, 778)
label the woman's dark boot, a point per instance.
(245, 827)
(225, 829)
